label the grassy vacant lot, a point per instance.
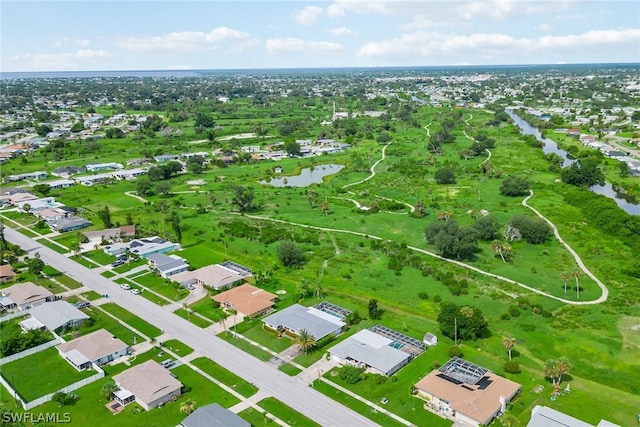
(285, 413)
(177, 347)
(169, 289)
(260, 335)
(358, 406)
(225, 376)
(245, 346)
(289, 369)
(196, 320)
(91, 295)
(99, 256)
(41, 373)
(132, 320)
(205, 307)
(101, 320)
(256, 418)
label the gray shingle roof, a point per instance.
(56, 314)
(214, 415)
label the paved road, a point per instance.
(289, 390)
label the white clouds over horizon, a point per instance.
(289, 45)
(493, 45)
(317, 33)
(186, 41)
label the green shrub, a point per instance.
(511, 367)
(351, 374)
(454, 351)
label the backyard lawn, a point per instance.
(225, 376)
(41, 373)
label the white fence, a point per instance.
(14, 315)
(57, 340)
(44, 399)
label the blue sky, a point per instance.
(151, 35)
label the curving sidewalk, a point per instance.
(372, 169)
(605, 290)
(603, 297)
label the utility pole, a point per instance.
(455, 323)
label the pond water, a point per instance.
(551, 147)
(307, 176)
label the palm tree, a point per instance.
(565, 278)
(502, 249)
(577, 274)
(305, 341)
(564, 366)
(509, 420)
(109, 388)
(467, 312)
(508, 343)
(419, 208)
(187, 407)
(551, 370)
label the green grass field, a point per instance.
(285, 413)
(177, 347)
(225, 376)
(132, 320)
(41, 373)
(245, 346)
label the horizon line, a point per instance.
(345, 67)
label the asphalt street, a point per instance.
(289, 390)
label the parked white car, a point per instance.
(135, 291)
(125, 286)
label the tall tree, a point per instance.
(565, 278)
(577, 274)
(108, 389)
(105, 216)
(243, 198)
(175, 225)
(289, 254)
(508, 343)
(35, 264)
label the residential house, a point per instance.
(51, 214)
(138, 162)
(54, 316)
(378, 349)
(543, 416)
(466, 393)
(30, 175)
(213, 415)
(148, 384)
(90, 180)
(167, 265)
(130, 174)
(60, 183)
(142, 247)
(98, 347)
(216, 276)
(295, 318)
(97, 167)
(247, 300)
(39, 203)
(166, 157)
(6, 273)
(18, 198)
(69, 223)
(24, 296)
(111, 233)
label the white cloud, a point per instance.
(544, 27)
(308, 15)
(82, 59)
(66, 42)
(501, 47)
(361, 7)
(294, 45)
(185, 41)
(341, 31)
